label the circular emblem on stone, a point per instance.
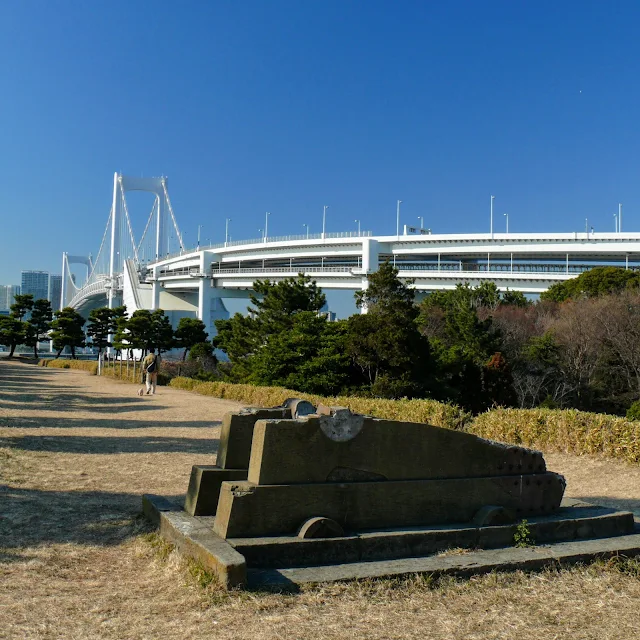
(341, 425)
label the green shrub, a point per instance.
(201, 350)
(633, 412)
(548, 403)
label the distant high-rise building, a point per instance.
(36, 283)
(55, 291)
(7, 293)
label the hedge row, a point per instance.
(121, 373)
(431, 411)
(85, 365)
(563, 430)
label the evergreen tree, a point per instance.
(101, 325)
(162, 337)
(66, 331)
(23, 303)
(120, 331)
(308, 357)
(38, 325)
(282, 334)
(190, 332)
(11, 333)
(384, 343)
(462, 343)
(139, 332)
(13, 328)
(598, 281)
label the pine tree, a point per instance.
(38, 325)
(100, 326)
(385, 343)
(190, 332)
(66, 331)
(162, 337)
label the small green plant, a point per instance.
(522, 537)
(549, 403)
(203, 577)
(161, 548)
(633, 412)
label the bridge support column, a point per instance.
(155, 290)
(370, 263)
(210, 304)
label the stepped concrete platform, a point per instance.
(576, 532)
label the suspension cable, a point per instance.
(173, 218)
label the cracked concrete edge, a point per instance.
(196, 540)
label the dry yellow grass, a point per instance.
(566, 430)
(76, 561)
(84, 365)
(430, 411)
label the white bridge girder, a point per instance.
(197, 278)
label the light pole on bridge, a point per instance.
(506, 217)
(358, 221)
(306, 226)
(266, 225)
(324, 219)
(226, 231)
(398, 218)
(491, 216)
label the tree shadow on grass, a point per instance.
(110, 445)
(33, 517)
(66, 402)
(66, 422)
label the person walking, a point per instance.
(150, 366)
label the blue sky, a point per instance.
(285, 106)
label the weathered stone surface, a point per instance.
(464, 565)
(204, 488)
(194, 538)
(237, 433)
(311, 450)
(574, 520)
(246, 509)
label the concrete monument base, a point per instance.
(576, 532)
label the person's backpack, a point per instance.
(152, 365)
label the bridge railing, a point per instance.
(292, 269)
(302, 236)
(430, 267)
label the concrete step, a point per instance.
(574, 520)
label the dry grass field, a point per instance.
(77, 561)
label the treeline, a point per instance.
(32, 321)
(578, 347)
(477, 347)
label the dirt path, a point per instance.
(76, 453)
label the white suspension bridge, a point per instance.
(158, 271)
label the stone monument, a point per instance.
(299, 486)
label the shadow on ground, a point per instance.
(110, 445)
(65, 422)
(32, 517)
(622, 504)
